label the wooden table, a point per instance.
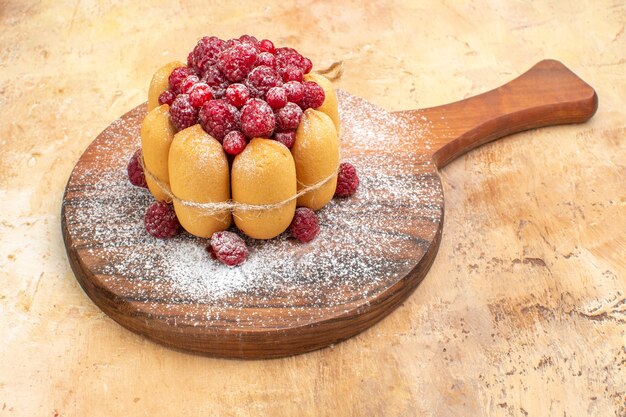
(524, 310)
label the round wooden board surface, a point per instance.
(287, 298)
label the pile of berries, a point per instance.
(240, 89)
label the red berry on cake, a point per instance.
(188, 82)
(216, 80)
(307, 65)
(177, 76)
(293, 73)
(161, 221)
(237, 94)
(237, 61)
(347, 180)
(288, 117)
(206, 53)
(286, 57)
(304, 225)
(234, 142)
(229, 248)
(199, 94)
(295, 91)
(276, 97)
(261, 79)
(267, 46)
(286, 138)
(182, 113)
(249, 39)
(257, 119)
(313, 96)
(217, 118)
(166, 97)
(265, 58)
(135, 172)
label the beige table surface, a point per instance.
(524, 310)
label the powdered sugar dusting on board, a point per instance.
(366, 242)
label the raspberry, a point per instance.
(231, 42)
(292, 73)
(216, 80)
(267, 46)
(177, 76)
(276, 97)
(307, 65)
(237, 61)
(286, 138)
(249, 39)
(182, 113)
(135, 171)
(229, 248)
(304, 225)
(288, 118)
(190, 60)
(257, 119)
(234, 142)
(286, 57)
(347, 180)
(199, 94)
(217, 117)
(206, 52)
(237, 94)
(313, 96)
(188, 82)
(265, 58)
(262, 79)
(166, 97)
(161, 221)
(295, 91)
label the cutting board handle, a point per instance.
(547, 94)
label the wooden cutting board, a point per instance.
(288, 298)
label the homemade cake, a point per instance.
(245, 132)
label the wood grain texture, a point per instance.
(255, 325)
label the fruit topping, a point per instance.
(265, 58)
(267, 46)
(228, 248)
(288, 117)
(206, 53)
(295, 91)
(293, 73)
(276, 97)
(221, 80)
(237, 61)
(177, 76)
(237, 94)
(304, 225)
(166, 97)
(234, 142)
(286, 138)
(182, 113)
(257, 119)
(261, 79)
(199, 94)
(218, 117)
(161, 221)
(313, 96)
(347, 180)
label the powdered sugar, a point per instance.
(366, 242)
